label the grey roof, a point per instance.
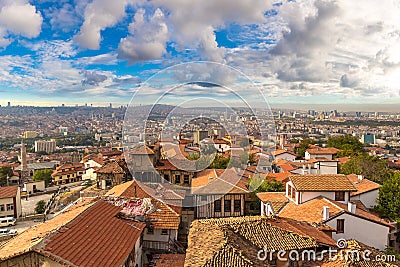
(38, 166)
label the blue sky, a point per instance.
(101, 51)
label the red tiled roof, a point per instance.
(217, 181)
(95, 238)
(322, 182)
(363, 185)
(322, 151)
(171, 260)
(8, 191)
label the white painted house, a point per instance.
(328, 199)
(320, 152)
(367, 190)
(283, 154)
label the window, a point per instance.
(203, 198)
(217, 206)
(10, 206)
(1, 207)
(177, 179)
(227, 205)
(150, 231)
(237, 205)
(164, 231)
(166, 177)
(340, 226)
(339, 196)
(186, 179)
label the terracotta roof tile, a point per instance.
(362, 185)
(8, 191)
(217, 181)
(236, 241)
(113, 238)
(25, 241)
(322, 151)
(322, 182)
(311, 211)
(169, 260)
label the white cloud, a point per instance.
(147, 39)
(99, 15)
(18, 18)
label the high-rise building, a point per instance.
(48, 146)
(30, 134)
(8, 104)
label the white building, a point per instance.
(48, 146)
(331, 200)
(10, 201)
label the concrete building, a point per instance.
(10, 201)
(48, 146)
(30, 134)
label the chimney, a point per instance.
(325, 213)
(351, 207)
(360, 177)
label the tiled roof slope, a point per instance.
(311, 211)
(219, 181)
(8, 191)
(236, 241)
(322, 182)
(171, 260)
(363, 186)
(26, 240)
(95, 238)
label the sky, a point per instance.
(101, 51)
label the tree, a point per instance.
(389, 198)
(259, 184)
(303, 146)
(4, 172)
(371, 167)
(43, 175)
(40, 207)
(347, 145)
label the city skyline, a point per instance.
(314, 52)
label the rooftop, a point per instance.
(235, 241)
(322, 182)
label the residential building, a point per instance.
(112, 174)
(68, 173)
(327, 199)
(219, 193)
(30, 134)
(320, 153)
(284, 154)
(89, 234)
(367, 191)
(48, 146)
(10, 201)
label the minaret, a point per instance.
(24, 166)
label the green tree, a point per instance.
(371, 167)
(43, 175)
(389, 198)
(4, 172)
(40, 207)
(259, 184)
(347, 145)
(303, 146)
